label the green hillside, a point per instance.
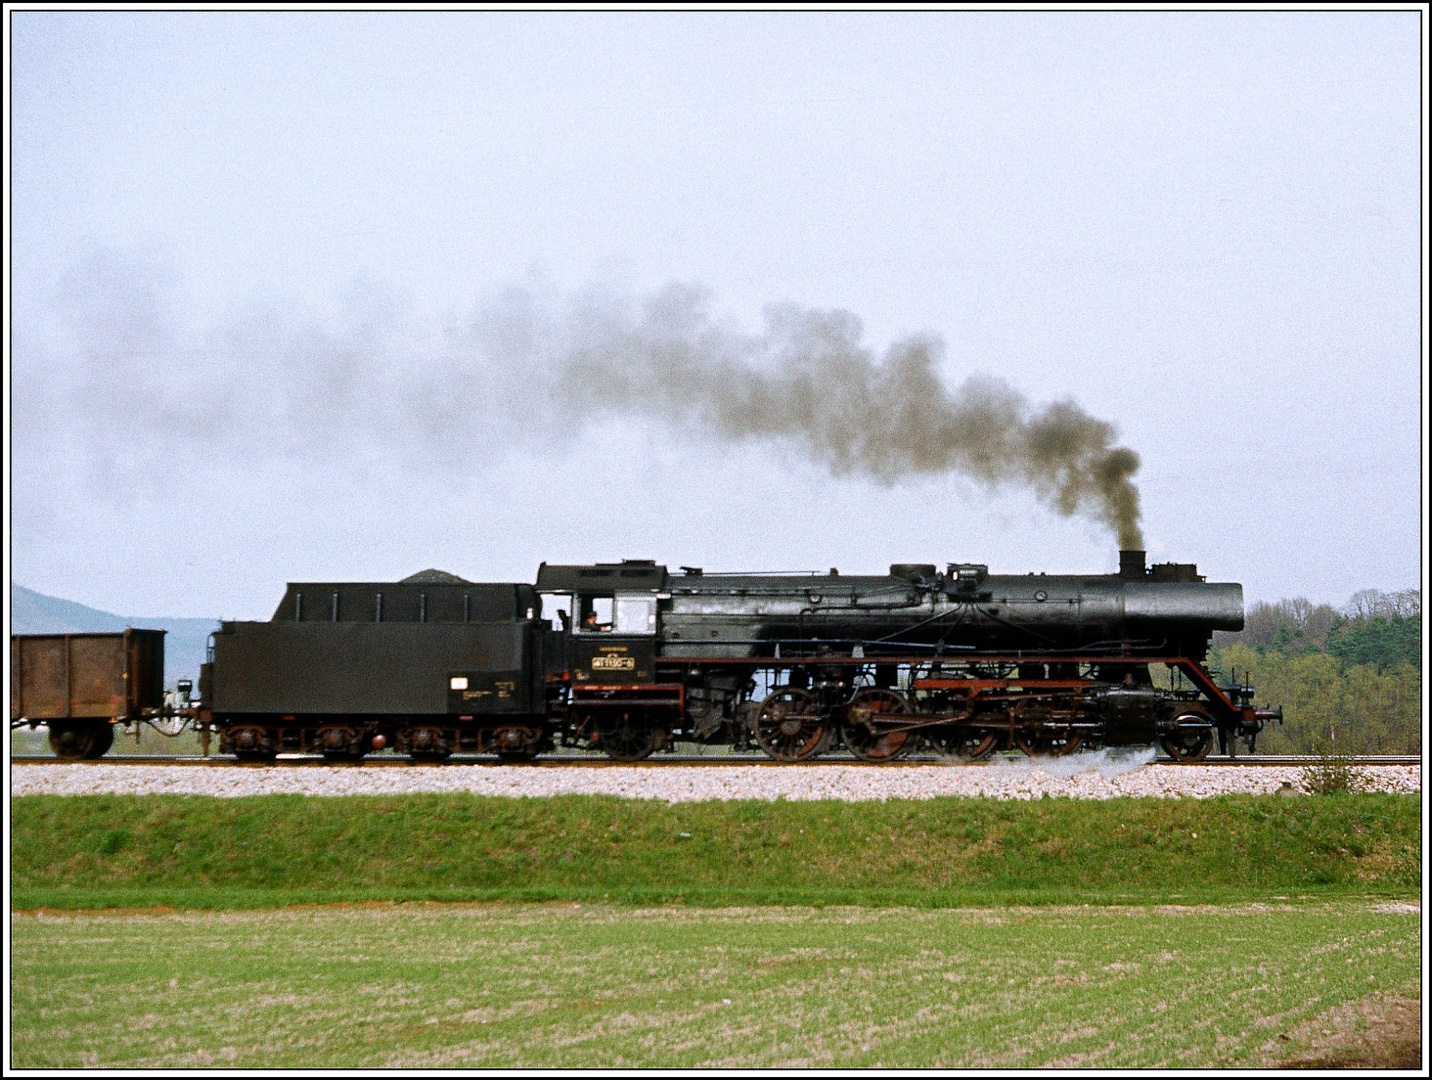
(1349, 680)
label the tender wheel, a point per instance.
(250, 742)
(862, 732)
(626, 739)
(963, 744)
(81, 742)
(1188, 744)
(789, 726)
(428, 744)
(1048, 743)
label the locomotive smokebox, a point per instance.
(1131, 565)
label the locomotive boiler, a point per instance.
(628, 658)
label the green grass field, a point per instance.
(956, 932)
(185, 851)
(420, 985)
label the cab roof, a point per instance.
(629, 575)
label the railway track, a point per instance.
(585, 761)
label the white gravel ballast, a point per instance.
(1096, 775)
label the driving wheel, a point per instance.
(790, 726)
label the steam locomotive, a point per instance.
(628, 658)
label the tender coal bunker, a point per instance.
(402, 602)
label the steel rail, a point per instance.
(584, 761)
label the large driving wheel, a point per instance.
(81, 742)
(790, 727)
(1188, 744)
(864, 734)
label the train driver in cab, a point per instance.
(590, 623)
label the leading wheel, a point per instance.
(790, 727)
(81, 742)
(1188, 744)
(863, 733)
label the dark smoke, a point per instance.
(809, 380)
(118, 377)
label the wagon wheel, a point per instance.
(81, 742)
(1049, 743)
(963, 743)
(1188, 744)
(627, 739)
(864, 738)
(789, 726)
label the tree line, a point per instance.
(1349, 680)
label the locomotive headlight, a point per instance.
(458, 682)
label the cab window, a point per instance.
(557, 610)
(596, 614)
(636, 615)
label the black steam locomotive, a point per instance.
(629, 659)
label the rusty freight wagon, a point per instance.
(81, 685)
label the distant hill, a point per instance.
(184, 645)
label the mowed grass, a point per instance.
(185, 851)
(425, 985)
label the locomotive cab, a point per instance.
(613, 624)
(615, 701)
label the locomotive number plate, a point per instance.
(613, 663)
(623, 662)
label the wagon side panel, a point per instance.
(145, 686)
(39, 688)
(99, 675)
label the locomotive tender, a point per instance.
(629, 659)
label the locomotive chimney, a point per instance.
(1131, 565)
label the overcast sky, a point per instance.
(291, 291)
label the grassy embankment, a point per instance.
(192, 852)
(590, 986)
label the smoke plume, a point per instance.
(809, 380)
(123, 379)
